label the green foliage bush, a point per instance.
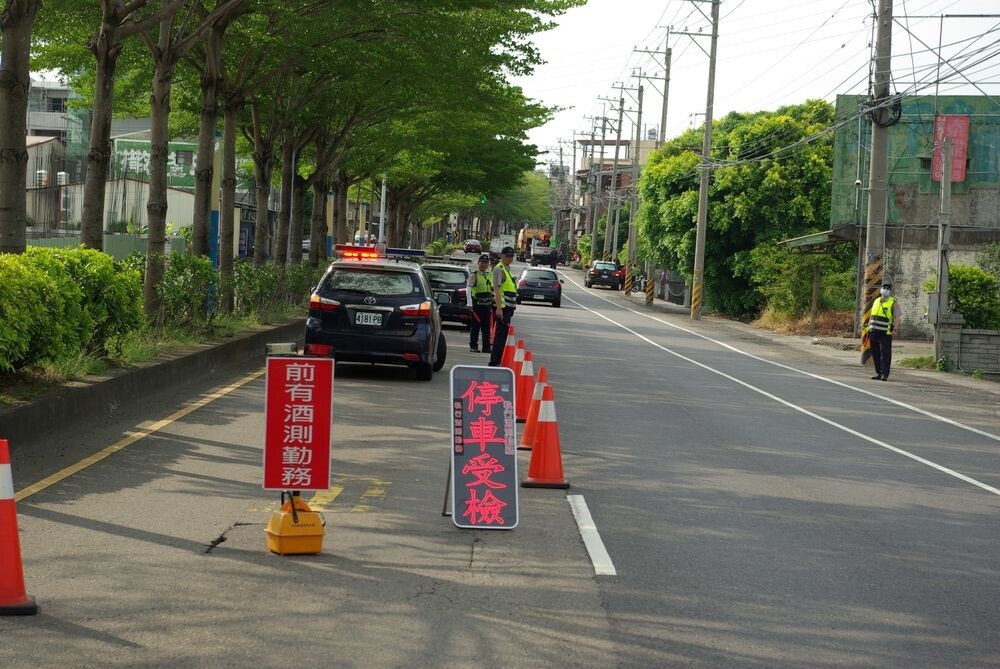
(69, 322)
(22, 313)
(62, 303)
(785, 279)
(300, 279)
(989, 259)
(188, 284)
(975, 293)
(110, 293)
(256, 289)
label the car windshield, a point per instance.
(372, 282)
(605, 265)
(446, 276)
(540, 275)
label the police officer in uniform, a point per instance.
(883, 323)
(481, 290)
(504, 299)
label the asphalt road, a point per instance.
(761, 505)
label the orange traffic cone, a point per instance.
(525, 388)
(507, 360)
(531, 424)
(14, 601)
(545, 469)
(515, 363)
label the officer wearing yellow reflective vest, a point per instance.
(504, 299)
(883, 323)
(481, 292)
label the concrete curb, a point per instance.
(98, 397)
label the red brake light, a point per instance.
(422, 309)
(522, 283)
(319, 349)
(323, 303)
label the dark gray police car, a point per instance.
(376, 308)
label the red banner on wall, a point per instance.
(298, 412)
(956, 128)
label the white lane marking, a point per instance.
(591, 537)
(803, 410)
(903, 405)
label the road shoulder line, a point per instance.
(603, 566)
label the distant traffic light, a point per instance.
(482, 199)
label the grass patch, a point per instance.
(918, 362)
(829, 323)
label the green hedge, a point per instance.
(975, 293)
(56, 303)
(59, 303)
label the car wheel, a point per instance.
(586, 284)
(557, 302)
(424, 371)
(442, 353)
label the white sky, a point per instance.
(770, 53)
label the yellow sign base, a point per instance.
(298, 532)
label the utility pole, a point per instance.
(666, 53)
(613, 187)
(598, 187)
(591, 223)
(944, 240)
(634, 195)
(878, 182)
(575, 212)
(706, 147)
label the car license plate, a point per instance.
(367, 318)
(539, 297)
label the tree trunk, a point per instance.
(227, 222)
(205, 170)
(156, 205)
(295, 221)
(280, 248)
(318, 229)
(263, 164)
(106, 50)
(343, 185)
(15, 79)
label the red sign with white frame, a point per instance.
(956, 128)
(298, 415)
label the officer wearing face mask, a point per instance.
(883, 324)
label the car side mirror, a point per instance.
(561, 281)
(442, 298)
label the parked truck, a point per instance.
(544, 253)
(525, 238)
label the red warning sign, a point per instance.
(298, 412)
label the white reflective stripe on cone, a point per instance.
(6, 483)
(547, 412)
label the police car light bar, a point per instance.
(356, 252)
(405, 254)
(361, 252)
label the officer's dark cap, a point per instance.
(507, 251)
(484, 258)
(886, 284)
